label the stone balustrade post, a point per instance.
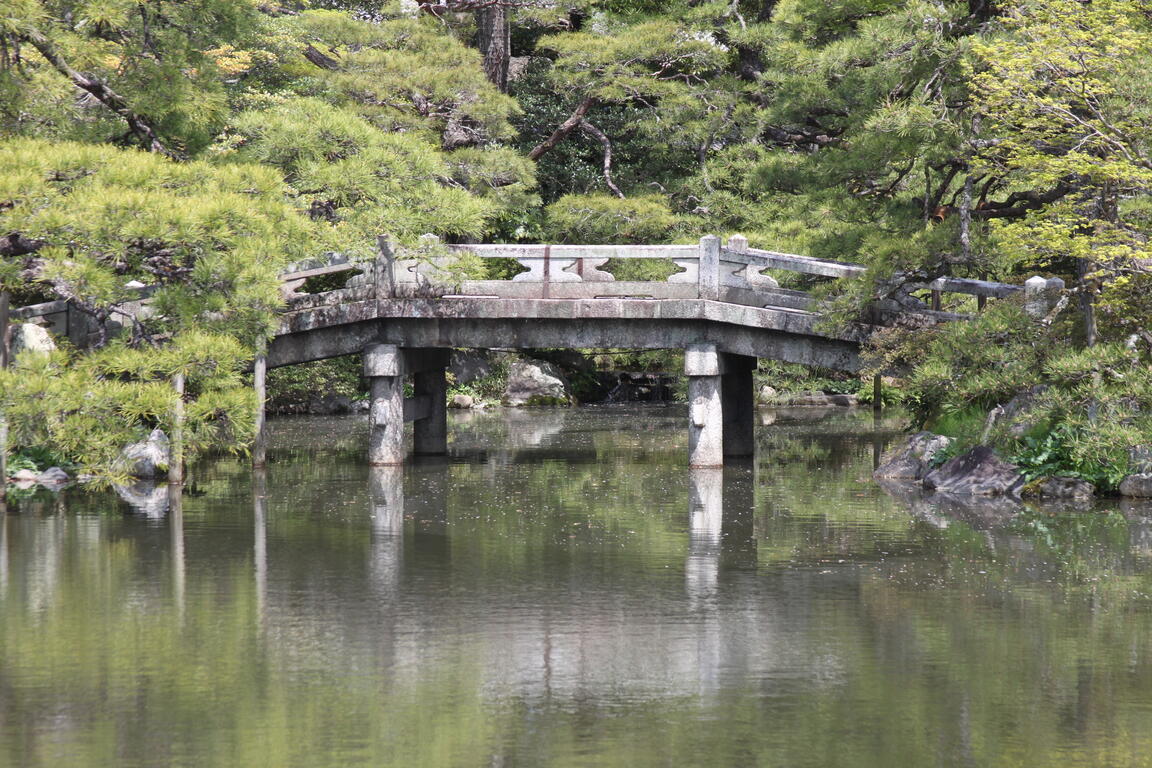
(709, 270)
(1041, 295)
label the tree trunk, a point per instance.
(495, 43)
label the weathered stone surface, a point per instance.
(912, 460)
(53, 477)
(1139, 486)
(1140, 459)
(766, 395)
(1063, 488)
(462, 401)
(468, 365)
(979, 472)
(148, 458)
(25, 477)
(30, 339)
(533, 382)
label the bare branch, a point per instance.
(592, 130)
(563, 130)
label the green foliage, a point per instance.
(1085, 408)
(606, 219)
(292, 387)
(213, 238)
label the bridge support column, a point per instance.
(430, 434)
(738, 404)
(705, 407)
(384, 369)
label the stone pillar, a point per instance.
(176, 442)
(709, 271)
(705, 408)
(738, 404)
(384, 369)
(430, 434)
(1041, 295)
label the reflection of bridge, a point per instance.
(405, 311)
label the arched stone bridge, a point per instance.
(406, 310)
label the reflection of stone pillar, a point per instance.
(176, 531)
(738, 404)
(386, 497)
(386, 491)
(430, 434)
(383, 367)
(706, 510)
(705, 409)
(260, 542)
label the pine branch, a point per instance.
(1018, 204)
(563, 130)
(14, 245)
(137, 124)
(320, 59)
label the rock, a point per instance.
(53, 477)
(30, 339)
(1140, 459)
(461, 401)
(819, 399)
(361, 406)
(148, 458)
(979, 472)
(767, 395)
(913, 459)
(25, 478)
(1062, 488)
(145, 497)
(1138, 486)
(534, 382)
(329, 404)
(468, 365)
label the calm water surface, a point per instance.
(561, 591)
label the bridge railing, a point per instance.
(721, 271)
(725, 271)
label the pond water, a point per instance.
(561, 591)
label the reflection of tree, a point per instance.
(545, 607)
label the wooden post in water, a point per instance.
(259, 383)
(176, 444)
(4, 312)
(877, 392)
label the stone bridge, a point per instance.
(406, 310)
